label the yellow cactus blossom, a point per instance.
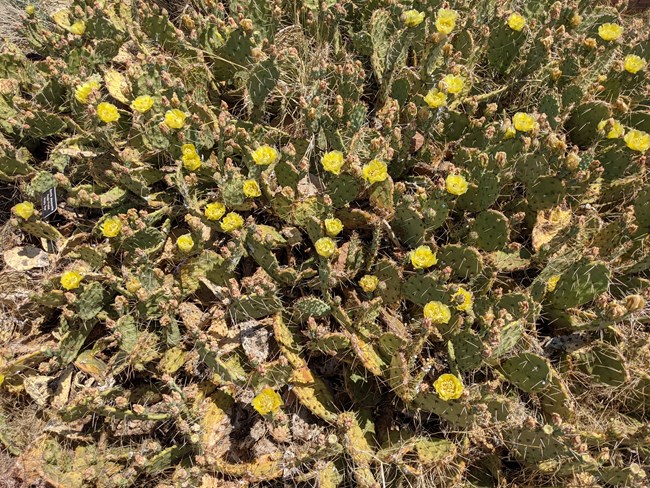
(551, 283)
(437, 312)
(413, 18)
(175, 119)
(637, 140)
(252, 189)
(616, 131)
(325, 247)
(188, 149)
(510, 133)
(24, 210)
(423, 257)
(265, 155)
(71, 280)
(448, 387)
(267, 401)
(375, 171)
(78, 28)
(112, 227)
(454, 83)
(446, 20)
(463, 299)
(435, 98)
(83, 91)
(142, 104)
(610, 32)
(332, 162)
(369, 283)
(633, 63)
(456, 184)
(232, 221)
(185, 242)
(107, 112)
(524, 122)
(133, 284)
(333, 227)
(516, 22)
(214, 210)
(191, 161)
(29, 9)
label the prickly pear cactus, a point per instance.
(320, 243)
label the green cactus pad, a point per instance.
(604, 363)
(534, 446)
(642, 208)
(503, 47)
(583, 122)
(422, 289)
(483, 191)
(527, 371)
(579, 284)
(310, 307)
(467, 350)
(545, 192)
(491, 229)
(464, 262)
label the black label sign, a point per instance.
(48, 203)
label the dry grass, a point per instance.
(13, 11)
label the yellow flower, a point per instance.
(78, 28)
(214, 210)
(435, 98)
(29, 10)
(516, 22)
(71, 280)
(509, 133)
(325, 247)
(456, 184)
(83, 91)
(112, 227)
(375, 171)
(175, 119)
(446, 20)
(633, 63)
(551, 283)
(107, 112)
(616, 131)
(24, 210)
(267, 401)
(610, 32)
(437, 312)
(463, 299)
(133, 284)
(448, 387)
(191, 161)
(252, 189)
(265, 155)
(423, 257)
(369, 283)
(142, 104)
(524, 122)
(187, 149)
(333, 227)
(637, 140)
(454, 83)
(185, 242)
(413, 18)
(232, 221)
(332, 162)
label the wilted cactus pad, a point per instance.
(320, 243)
